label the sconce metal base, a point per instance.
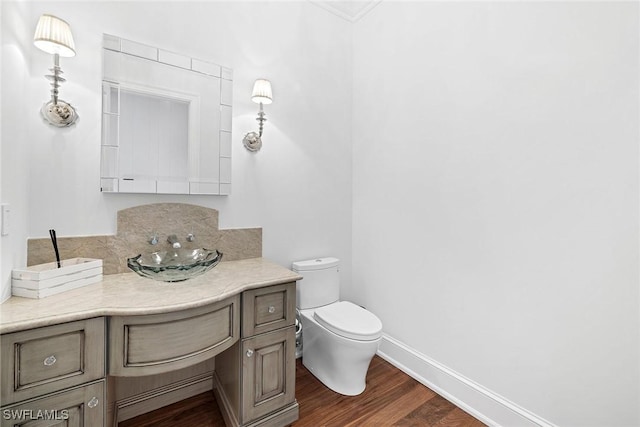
(60, 114)
(252, 141)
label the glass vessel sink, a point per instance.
(174, 265)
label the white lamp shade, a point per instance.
(53, 35)
(262, 92)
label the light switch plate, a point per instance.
(5, 213)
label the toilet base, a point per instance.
(339, 363)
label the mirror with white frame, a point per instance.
(166, 121)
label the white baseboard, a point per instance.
(487, 406)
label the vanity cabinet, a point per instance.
(41, 369)
(65, 359)
(254, 381)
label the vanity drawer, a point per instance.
(76, 407)
(51, 358)
(267, 309)
(157, 343)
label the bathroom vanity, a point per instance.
(63, 356)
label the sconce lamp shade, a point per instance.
(53, 35)
(262, 92)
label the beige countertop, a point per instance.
(129, 294)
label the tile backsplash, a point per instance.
(135, 227)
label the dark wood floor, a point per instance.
(391, 398)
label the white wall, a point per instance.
(495, 196)
(297, 187)
(14, 150)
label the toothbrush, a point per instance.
(54, 240)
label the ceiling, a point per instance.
(351, 10)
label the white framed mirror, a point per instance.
(166, 121)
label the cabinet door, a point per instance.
(269, 370)
(78, 407)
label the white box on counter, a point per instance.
(43, 280)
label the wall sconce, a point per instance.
(53, 35)
(261, 95)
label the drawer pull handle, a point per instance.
(93, 402)
(249, 353)
(272, 309)
(49, 360)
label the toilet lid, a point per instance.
(349, 320)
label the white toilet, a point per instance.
(339, 338)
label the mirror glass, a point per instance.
(166, 121)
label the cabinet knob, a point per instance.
(93, 402)
(272, 309)
(49, 360)
(249, 353)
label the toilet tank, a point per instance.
(320, 284)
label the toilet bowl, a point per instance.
(340, 362)
(339, 338)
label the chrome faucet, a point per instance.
(153, 239)
(173, 240)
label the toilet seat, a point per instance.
(349, 320)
